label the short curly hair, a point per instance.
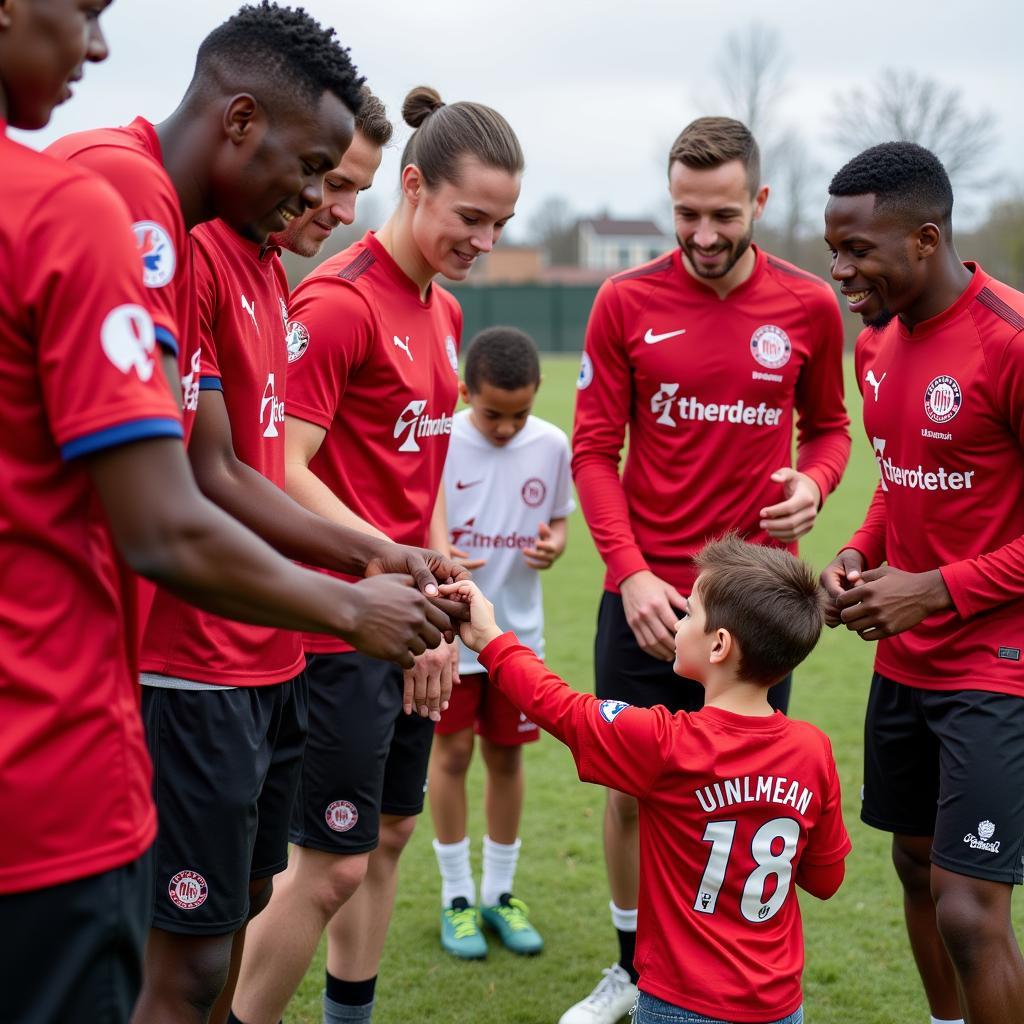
(903, 177)
(286, 49)
(504, 357)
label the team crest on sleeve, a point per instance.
(156, 251)
(942, 399)
(611, 709)
(586, 373)
(770, 346)
(453, 354)
(128, 337)
(341, 815)
(187, 890)
(296, 338)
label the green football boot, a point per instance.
(508, 917)
(460, 931)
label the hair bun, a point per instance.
(419, 104)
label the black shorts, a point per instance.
(72, 953)
(948, 764)
(623, 671)
(365, 757)
(225, 769)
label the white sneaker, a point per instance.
(612, 999)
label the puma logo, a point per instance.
(869, 378)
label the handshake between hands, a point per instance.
(481, 628)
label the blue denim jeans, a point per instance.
(650, 1010)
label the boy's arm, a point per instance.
(613, 744)
(821, 880)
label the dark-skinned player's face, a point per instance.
(277, 172)
(44, 45)
(872, 258)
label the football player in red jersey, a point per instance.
(737, 801)
(242, 302)
(935, 574)
(98, 480)
(371, 392)
(708, 355)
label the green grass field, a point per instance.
(859, 969)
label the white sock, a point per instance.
(940, 1020)
(456, 874)
(623, 920)
(499, 870)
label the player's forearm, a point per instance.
(824, 454)
(869, 539)
(305, 487)
(604, 506)
(980, 584)
(821, 880)
(286, 525)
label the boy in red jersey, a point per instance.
(936, 572)
(707, 355)
(96, 482)
(737, 801)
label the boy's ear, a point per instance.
(463, 391)
(723, 646)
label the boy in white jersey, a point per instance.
(508, 491)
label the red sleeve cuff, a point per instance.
(490, 654)
(823, 484)
(959, 587)
(626, 563)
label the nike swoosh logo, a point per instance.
(652, 339)
(472, 483)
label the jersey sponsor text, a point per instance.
(917, 477)
(414, 424)
(665, 403)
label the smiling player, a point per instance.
(935, 572)
(708, 355)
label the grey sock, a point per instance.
(342, 1013)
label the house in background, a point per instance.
(605, 243)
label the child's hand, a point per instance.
(481, 628)
(550, 544)
(462, 557)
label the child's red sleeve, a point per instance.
(613, 743)
(828, 842)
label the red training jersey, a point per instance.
(131, 159)
(708, 389)
(79, 373)
(377, 367)
(241, 290)
(944, 411)
(730, 807)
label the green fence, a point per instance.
(555, 316)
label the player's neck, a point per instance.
(396, 237)
(949, 281)
(725, 691)
(183, 136)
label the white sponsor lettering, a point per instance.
(664, 403)
(917, 477)
(986, 830)
(414, 424)
(271, 409)
(746, 789)
(775, 378)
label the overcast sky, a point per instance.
(596, 91)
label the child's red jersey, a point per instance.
(729, 807)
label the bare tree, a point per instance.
(553, 228)
(751, 69)
(901, 105)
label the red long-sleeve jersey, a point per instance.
(733, 810)
(708, 389)
(944, 411)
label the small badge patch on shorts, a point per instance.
(187, 890)
(1009, 653)
(341, 815)
(611, 709)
